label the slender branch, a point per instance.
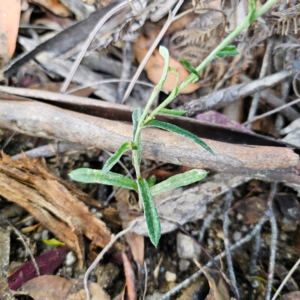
(274, 236)
(100, 256)
(287, 277)
(227, 244)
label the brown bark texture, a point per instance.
(43, 120)
(53, 202)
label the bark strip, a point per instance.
(43, 120)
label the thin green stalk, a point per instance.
(263, 9)
(154, 94)
(157, 110)
(252, 15)
(135, 160)
(136, 164)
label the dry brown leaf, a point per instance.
(135, 241)
(196, 290)
(155, 66)
(56, 204)
(252, 209)
(289, 207)
(9, 26)
(57, 288)
(130, 277)
(218, 286)
(54, 6)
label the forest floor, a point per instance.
(232, 235)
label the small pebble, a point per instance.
(237, 236)
(69, 271)
(29, 222)
(70, 259)
(170, 277)
(186, 247)
(37, 236)
(255, 284)
(244, 228)
(283, 236)
(240, 217)
(210, 242)
(45, 234)
(99, 215)
(21, 253)
(184, 265)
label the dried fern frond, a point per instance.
(286, 22)
(287, 16)
(192, 44)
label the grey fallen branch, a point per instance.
(43, 120)
(234, 93)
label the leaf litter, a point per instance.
(200, 207)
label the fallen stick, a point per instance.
(234, 93)
(43, 120)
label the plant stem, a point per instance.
(136, 164)
(252, 15)
(169, 99)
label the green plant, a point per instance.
(143, 119)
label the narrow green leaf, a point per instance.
(136, 117)
(164, 52)
(190, 68)
(173, 112)
(229, 50)
(53, 243)
(87, 175)
(180, 131)
(116, 156)
(178, 180)
(150, 212)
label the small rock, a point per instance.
(69, 271)
(45, 234)
(70, 259)
(170, 277)
(37, 236)
(186, 247)
(183, 265)
(29, 222)
(237, 236)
